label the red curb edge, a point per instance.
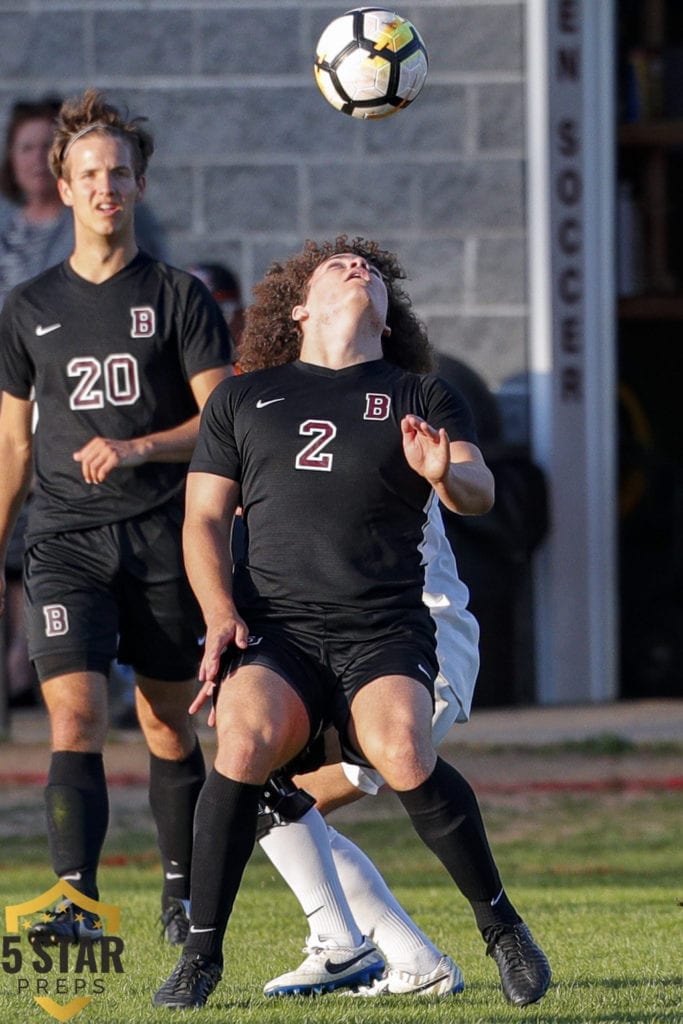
(616, 785)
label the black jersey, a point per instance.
(334, 515)
(111, 359)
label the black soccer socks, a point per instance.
(174, 787)
(446, 816)
(224, 836)
(77, 806)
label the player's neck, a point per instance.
(98, 259)
(336, 350)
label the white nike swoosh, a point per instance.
(423, 669)
(196, 931)
(170, 875)
(261, 404)
(40, 330)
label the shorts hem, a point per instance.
(64, 663)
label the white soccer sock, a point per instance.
(300, 852)
(378, 913)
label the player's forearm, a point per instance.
(174, 445)
(468, 488)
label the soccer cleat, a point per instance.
(69, 922)
(175, 922)
(445, 980)
(325, 970)
(190, 984)
(524, 969)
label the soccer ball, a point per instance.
(370, 63)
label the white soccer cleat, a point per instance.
(325, 970)
(445, 980)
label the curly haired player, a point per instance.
(324, 619)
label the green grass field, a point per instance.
(598, 877)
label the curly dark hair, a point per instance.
(271, 337)
(45, 109)
(92, 109)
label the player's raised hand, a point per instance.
(103, 454)
(456, 471)
(427, 450)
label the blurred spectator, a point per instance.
(494, 551)
(32, 219)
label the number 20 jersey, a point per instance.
(334, 515)
(111, 359)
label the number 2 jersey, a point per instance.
(111, 359)
(334, 516)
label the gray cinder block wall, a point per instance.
(251, 159)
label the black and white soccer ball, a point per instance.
(370, 62)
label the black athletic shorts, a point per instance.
(329, 656)
(115, 591)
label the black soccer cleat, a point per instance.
(68, 922)
(175, 923)
(190, 984)
(523, 966)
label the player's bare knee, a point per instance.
(246, 755)
(82, 729)
(402, 759)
